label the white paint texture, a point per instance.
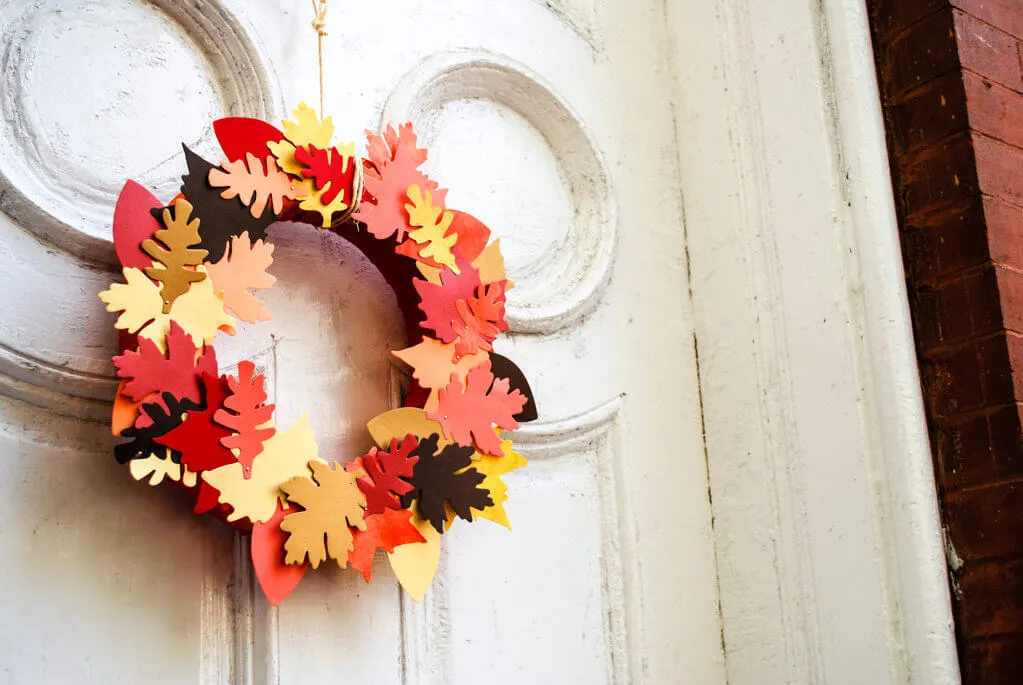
(609, 576)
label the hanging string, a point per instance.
(320, 25)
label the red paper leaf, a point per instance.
(133, 223)
(327, 166)
(462, 309)
(480, 319)
(178, 373)
(277, 579)
(239, 136)
(385, 471)
(199, 438)
(245, 412)
(386, 530)
(207, 498)
(439, 302)
(393, 166)
(469, 414)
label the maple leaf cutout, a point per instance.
(432, 363)
(243, 267)
(245, 413)
(306, 129)
(138, 300)
(387, 530)
(446, 478)
(286, 455)
(392, 167)
(429, 227)
(332, 170)
(492, 468)
(462, 310)
(332, 501)
(198, 437)
(253, 185)
(176, 254)
(468, 413)
(148, 371)
(385, 470)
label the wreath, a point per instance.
(189, 269)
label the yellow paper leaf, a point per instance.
(138, 300)
(284, 152)
(331, 502)
(159, 467)
(285, 456)
(398, 423)
(312, 201)
(173, 249)
(490, 263)
(199, 312)
(493, 468)
(415, 564)
(429, 225)
(306, 129)
(431, 361)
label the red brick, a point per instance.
(930, 113)
(994, 110)
(997, 661)
(984, 49)
(941, 244)
(999, 169)
(963, 451)
(939, 176)
(1010, 290)
(954, 382)
(983, 523)
(891, 16)
(1005, 14)
(927, 50)
(992, 593)
(1006, 443)
(996, 369)
(1004, 232)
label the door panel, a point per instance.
(550, 122)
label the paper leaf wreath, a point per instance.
(188, 264)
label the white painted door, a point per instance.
(551, 122)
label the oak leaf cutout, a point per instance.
(159, 466)
(331, 169)
(286, 455)
(147, 370)
(468, 412)
(306, 129)
(163, 416)
(241, 269)
(245, 412)
(386, 530)
(462, 310)
(446, 478)
(387, 474)
(173, 247)
(254, 185)
(331, 502)
(429, 227)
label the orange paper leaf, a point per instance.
(387, 530)
(332, 502)
(243, 268)
(468, 412)
(254, 185)
(245, 413)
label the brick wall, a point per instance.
(952, 85)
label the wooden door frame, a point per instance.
(830, 557)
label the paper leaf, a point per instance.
(163, 417)
(239, 136)
(445, 477)
(148, 370)
(124, 412)
(219, 219)
(432, 363)
(502, 367)
(254, 185)
(472, 238)
(462, 310)
(245, 413)
(386, 530)
(385, 470)
(332, 170)
(392, 167)
(160, 466)
(240, 270)
(490, 263)
(313, 201)
(332, 502)
(415, 564)
(492, 468)
(134, 223)
(398, 423)
(306, 129)
(198, 437)
(429, 225)
(138, 300)
(468, 412)
(286, 455)
(175, 253)
(276, 578)
(200, 312)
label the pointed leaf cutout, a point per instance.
(255, 185)
(445, 477)
(332, 503)
(240, 270)
(332, 170)
(276, 578)
(492, 469)
(176, 253)
(134, 223)
(286, 455)
(502, 367)
(385, 471)
(392, 167)
(124, 412)
(239, 136)
(245, 412)
(219, 219)
(159, 466)
(472, 238)
(163, 417)
(387, 530)
(429, 227)
(306, 129)
(148, 370)
(198, 437)
(468, 413)
(432, 363)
